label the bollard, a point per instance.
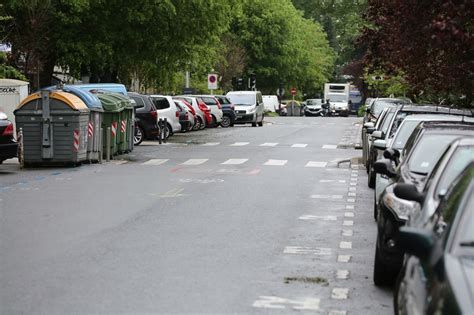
(101, 147)
(160, 127)
(165, 125)
(21, 157)
(107, 150)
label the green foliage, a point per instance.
(361, 111)
(9, 72)
(384, 85)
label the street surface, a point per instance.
(239, 220)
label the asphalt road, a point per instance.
(238, 220)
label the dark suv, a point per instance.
(146, 119)
(228, 113)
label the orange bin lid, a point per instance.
(69, 99)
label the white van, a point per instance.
(249, 107)
(167, 109)
(271, 103)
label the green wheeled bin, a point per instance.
(54, 126)
(112, 119)
(126, 124)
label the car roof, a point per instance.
(243, 92)
(435, 109)
(439, 117)
(451, 127)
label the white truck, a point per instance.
(338, 96)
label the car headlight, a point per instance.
(400, 207)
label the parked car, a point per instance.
(423, 149)
(203, 113)
(271, 103)
(146, 119)
(438, 273)
(185, 116)
(216, 111)
(8, 144)
(249, 107)
(167, 109)
(228, 111)
(377, 106)
(314, 107)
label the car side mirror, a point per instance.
(391, 154)
(369, 125)
(384, 167)
(415, 241)
(380, 144)
(367, 110)
(377, 134)
(408, 192)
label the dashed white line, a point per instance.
(339, 293)
(330, 146)
(344, 258)
(354, 184)
(318, 217)
(299, 145)
(210, 144)
(345, 245)
(342, 181)
(347, 233)
(348, 223)
(155, 162)
(234, 161)
(342, 274)
(352, 188)
(269, 144)
(316, 164)
(195, 162)
(301, 250)
(351, 200)
(239, 144)
(352, 194)
(334, 312)
(350, 207)
(349, 214)
(275, 162)
(326, 196)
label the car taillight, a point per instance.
(177, 114)
(154, 114)
(8, 130)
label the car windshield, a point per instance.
(427, 152)
(466, 231)
(223, 100)
(404, 133)
(337, 98)
(312, 102)
(242, 99)
(378, 106)
(387, 121)
(458, 162)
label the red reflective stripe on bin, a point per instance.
(76, 140)
(124, 126)
(90, 129)
(114, 129)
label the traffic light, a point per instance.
(253, 81)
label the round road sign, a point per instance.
(293, 91)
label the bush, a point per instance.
(361, 111)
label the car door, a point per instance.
(260, 106)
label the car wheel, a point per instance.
(226, 121)
(138, 135)
(375, 209)
(260, 124)
(371, 178)
(197, 124)
(202, 124)
(382, 273)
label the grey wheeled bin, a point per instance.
(54, 125)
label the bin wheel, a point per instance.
(138, 136)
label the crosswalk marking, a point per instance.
(299, 145)
(155, 162)
(234, 161)
(330, 146)
(316, 164)
(210, 144)
(269, 144)
(239, 144)
(276, 162)
(195, 162)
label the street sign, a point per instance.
(293, 91)
(212, 81)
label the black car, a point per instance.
(8, 144)
(422, 151)
(183, 118)
(146, 119)
(228, 113)
(438, 275)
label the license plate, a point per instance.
(239, 116)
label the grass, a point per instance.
(271, 114)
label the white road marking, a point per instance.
(352, 188)
(299, 145)
(239, 144)
(119, 162)
(348, 223)
(345, 245)
(334, 312)
(316, 164)
(275, 162)
(347, 233)
(174, 193)
(354, 179)
(354, 175)
(195, 162)
(301, 250)
(342, 274)
(350, 207)
(352, 194)
(330, 146)
(210, 144)
(155, 162)
(274, 302)
(344, 258)
(339, 293)
(234, 161)
(326, 196)
(342, 181)
(269, 144)
(349, 214)
(318, 217)
(354, 184)
(351, 200)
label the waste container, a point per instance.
(293, 108)
(54, 125)
(94, 141)
(126, 123)
(112, 114)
